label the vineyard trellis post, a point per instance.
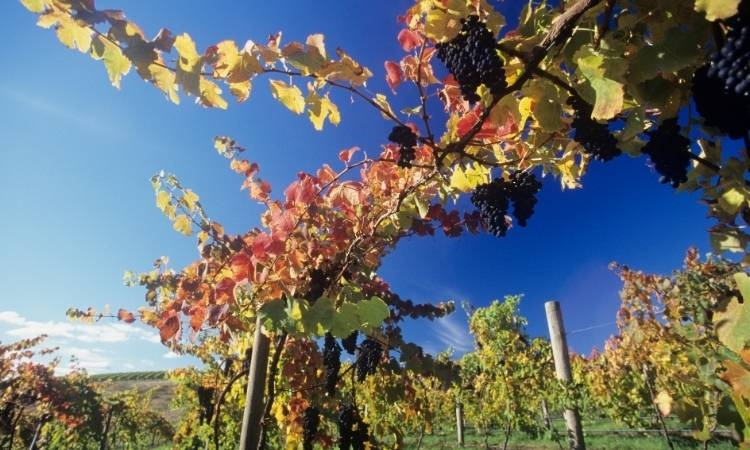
(460, 423)
(256, 384)
(562, 368)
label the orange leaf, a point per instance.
(125, 316)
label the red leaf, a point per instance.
(242, 266)
(300, 192)
(346, 155)
(409, 40)
(169, 327)
(393, 75)
(225, 290)
(125, 316)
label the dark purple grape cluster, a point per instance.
(595, 137)
(350, 342)
(310, 424)
(371, 352)
(493, 199)
(353, 431)
(669, 152)
(473, 60)
(317, 286)
(332, 362)
(522, 190)
(720, 108)
(721, 89)
(206, 404)
(407, 141)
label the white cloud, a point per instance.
(87, 122)
(171, 355)
(452, 332)
(23, 328)
(94, 360)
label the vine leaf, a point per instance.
(72, 33)
(115, 62)
(182, 225)
(372, 313)
(289, 96)
(733, 321)
(717, 9)
(609, 93)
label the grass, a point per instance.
(599, 437)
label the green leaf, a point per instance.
(345, 320)
(717, 9)
(609, 93)
(319, 317)
(289, 96)
(274, 314)
(372, 313)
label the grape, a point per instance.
(492, 199)
(492, 202)
(371, 352)
(350, 342)
(669, 152)
(522, 191)
(332, 362)
(472, 58)
(205, 401)
(310, 423)
(318, 285)
(407, 140)
(721, 89)
(720, 108)
(592, 135)
(346, 418)
(353, 431)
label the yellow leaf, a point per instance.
(189, 60)
(241, 90)
(162, 200)
(71, 32)
(382, 101)
(227, 57)
(191, 199)
(36, 6)
(165, 80)
(319, 108)
(717, 9)
(525, 107)
(211, 94)
(182, 225)
(466, 179)
(731, 201)
(289, 96)
(115, 61)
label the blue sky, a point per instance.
(77, 208)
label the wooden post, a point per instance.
(256, 386)
(460, 423)
(562, 368)
(105, 432)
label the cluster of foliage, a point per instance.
(570, 83)
(39, 409)
(509, 375)
(681, 350)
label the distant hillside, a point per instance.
(131, 376)
(157, 382)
